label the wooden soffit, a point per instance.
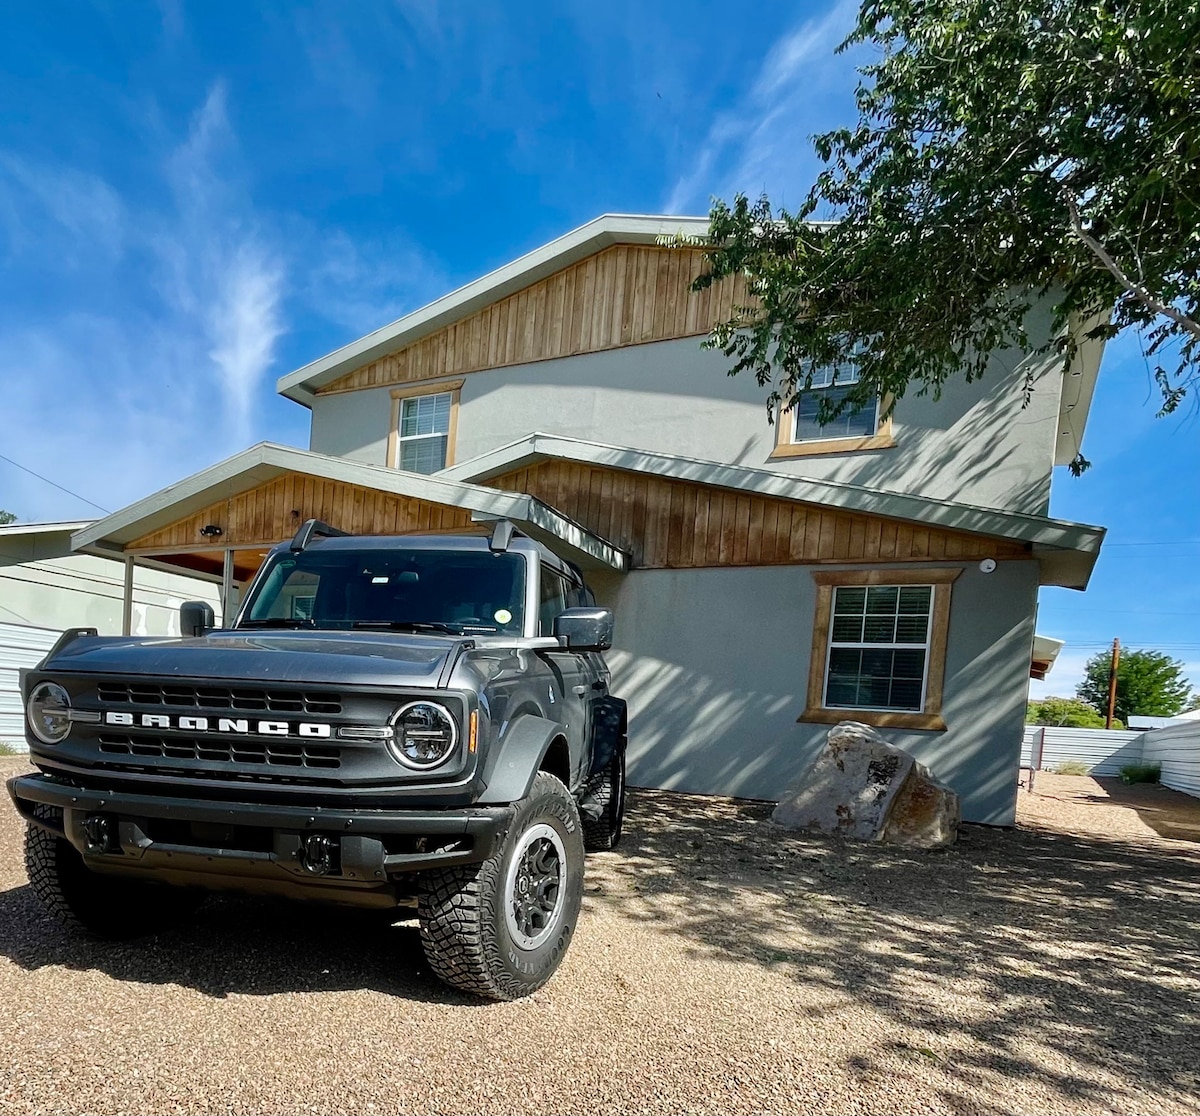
(273, 512)
(673, 524)
(624, 295)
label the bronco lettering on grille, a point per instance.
(240, 725)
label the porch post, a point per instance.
(127, 598)
(227, 590)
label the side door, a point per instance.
(573, 674)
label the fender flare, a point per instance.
(514, 759)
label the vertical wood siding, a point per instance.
(274, 511)
(626, 295)
(673, 524)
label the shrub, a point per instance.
(1072, 767)
(1141, 772)
(8, 750)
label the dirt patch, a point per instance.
(720, 966)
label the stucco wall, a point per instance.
(714, 664)
(977, 444)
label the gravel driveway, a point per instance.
(717, 968)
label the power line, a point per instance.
(53, 484)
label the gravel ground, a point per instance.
(718, 967)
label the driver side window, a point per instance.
(553, 599)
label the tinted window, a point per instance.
(472, 591)
(553, 599)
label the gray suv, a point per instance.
(413, 722)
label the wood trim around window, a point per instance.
(454, 387)
(941, 578)
(785, 447)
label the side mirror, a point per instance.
(584, 629)
(196, 618)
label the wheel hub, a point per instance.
(534, 886)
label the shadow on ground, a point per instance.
(1169, 813)
(239, 945)
(1010, 945)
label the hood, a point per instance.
(327, 658)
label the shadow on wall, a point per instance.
(692, 731)
(1064, 963)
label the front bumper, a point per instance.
(253, 846)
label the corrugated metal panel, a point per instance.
(20, 646)
(1104, 751)
(1177, 748)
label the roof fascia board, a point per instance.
(1079, 385)
(603, 232)
(893, 505)
(266, 461)
(69, 526)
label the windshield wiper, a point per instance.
(279, 622)
(409, 626)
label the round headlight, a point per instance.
(48, 709)
(423, 734)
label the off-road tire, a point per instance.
(101, 906)
(607, 789)
(464, 928)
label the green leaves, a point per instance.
(1149, 683)
(980, 125)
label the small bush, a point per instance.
(1141, 772)
(8, 750)
(1072, 767)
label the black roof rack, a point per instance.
(310, 529)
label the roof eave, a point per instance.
(603, 232)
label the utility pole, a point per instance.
(1112, 681)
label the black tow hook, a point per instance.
(99, 835)
(316, 854)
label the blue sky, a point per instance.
(195, 199)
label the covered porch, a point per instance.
(219, 524)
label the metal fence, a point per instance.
(1104, 751)
(21, 646)
(1177, 749)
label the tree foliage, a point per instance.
(1005, 150)
(1149, 684)
(7, 517)
(1065, 712)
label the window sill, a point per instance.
(930, 722)
(832, 445)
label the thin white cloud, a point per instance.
(762, 143)
(149, 367)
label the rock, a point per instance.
(866, 789)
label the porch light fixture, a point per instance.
(211, 531)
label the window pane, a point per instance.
(859, 423)
(885, 674)
(423, 455)
(882, 598)
(425, 414)
(879, 629)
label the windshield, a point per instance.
(414, 590)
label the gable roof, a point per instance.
(603, 232)
(1066, 551)
(267, 461)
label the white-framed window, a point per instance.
(879, 639)
(423, 434)
(862, 422)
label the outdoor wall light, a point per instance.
(211, 531)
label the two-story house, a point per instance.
(768, 579)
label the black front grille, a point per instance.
(223, 749)
(182, 696)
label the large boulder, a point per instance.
(866, 789)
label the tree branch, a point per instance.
(1135, 289)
